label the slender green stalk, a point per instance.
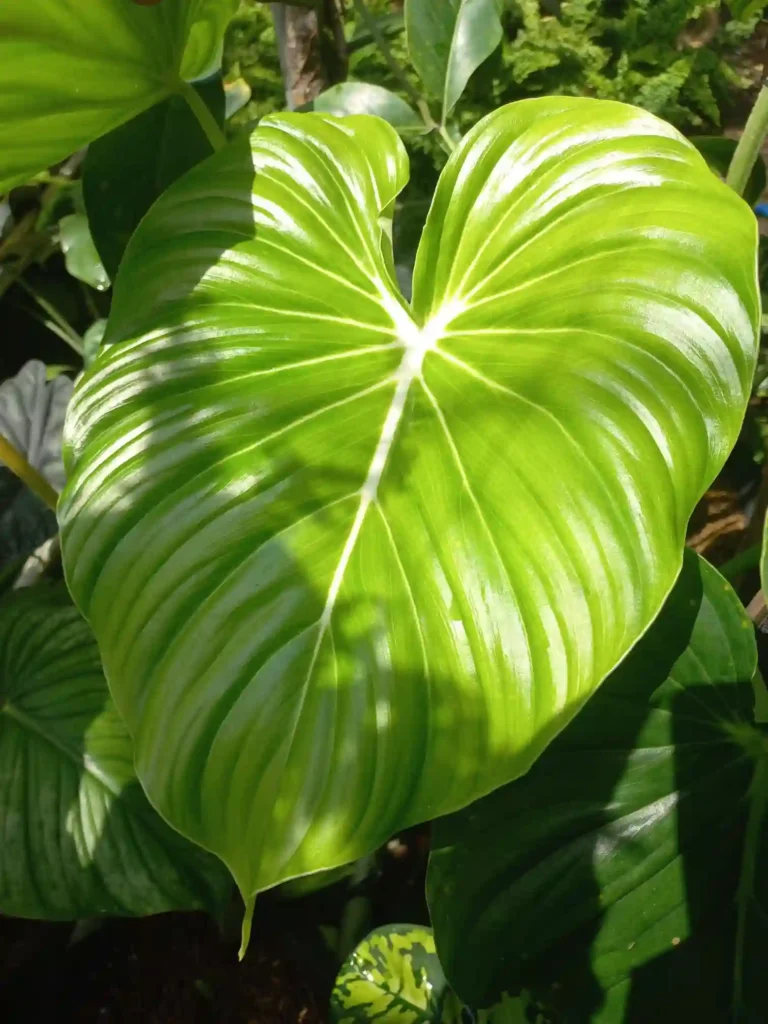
(743, 562)
(18, 465)
(394, 64)
(758, 806)
(58, 324)
(213, 133)
(748, 148)
(399, 72)
(445, 139)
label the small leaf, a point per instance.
(237, 93)
(72, 70)
(32, 413)
(32, 418)
(80, 256)
(79, 836)
(362, 98)
(448, 40)
(126, 170)
(619, 878)
(393, 975)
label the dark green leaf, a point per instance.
(79, 836)
(608, 879)
(126, 170)
(448, 40)
(718, 151)
(362, 98)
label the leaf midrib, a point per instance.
(78, 758)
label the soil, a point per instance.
(169, 969)
(182, 968)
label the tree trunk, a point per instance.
(312, 49)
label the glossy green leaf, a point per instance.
(80, 255)
(352, 565)
(79, 837)
(126, 170)
(448, 40)
(362, 98)
(718, 151)
(622, 879)
(393, 974)
(32, 418)
(71, 70)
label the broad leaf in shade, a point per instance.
(353, 564)
(623, 878)
(32, 418)
(126, 170)
(72, 70)
(363, 98)
(79, 836)
(448, 40)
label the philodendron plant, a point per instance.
(354, 563)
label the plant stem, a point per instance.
(757, 609)
(743, 562)
(18, 465)
(59, 325)
(398, 71)
(207, 121)
(381, 41)
(748, 148)
(445, 139)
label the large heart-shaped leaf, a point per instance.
(448, 40)
(79, 836)
(32, 418)
(624, 878)
(352, 565)
(72, 70)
